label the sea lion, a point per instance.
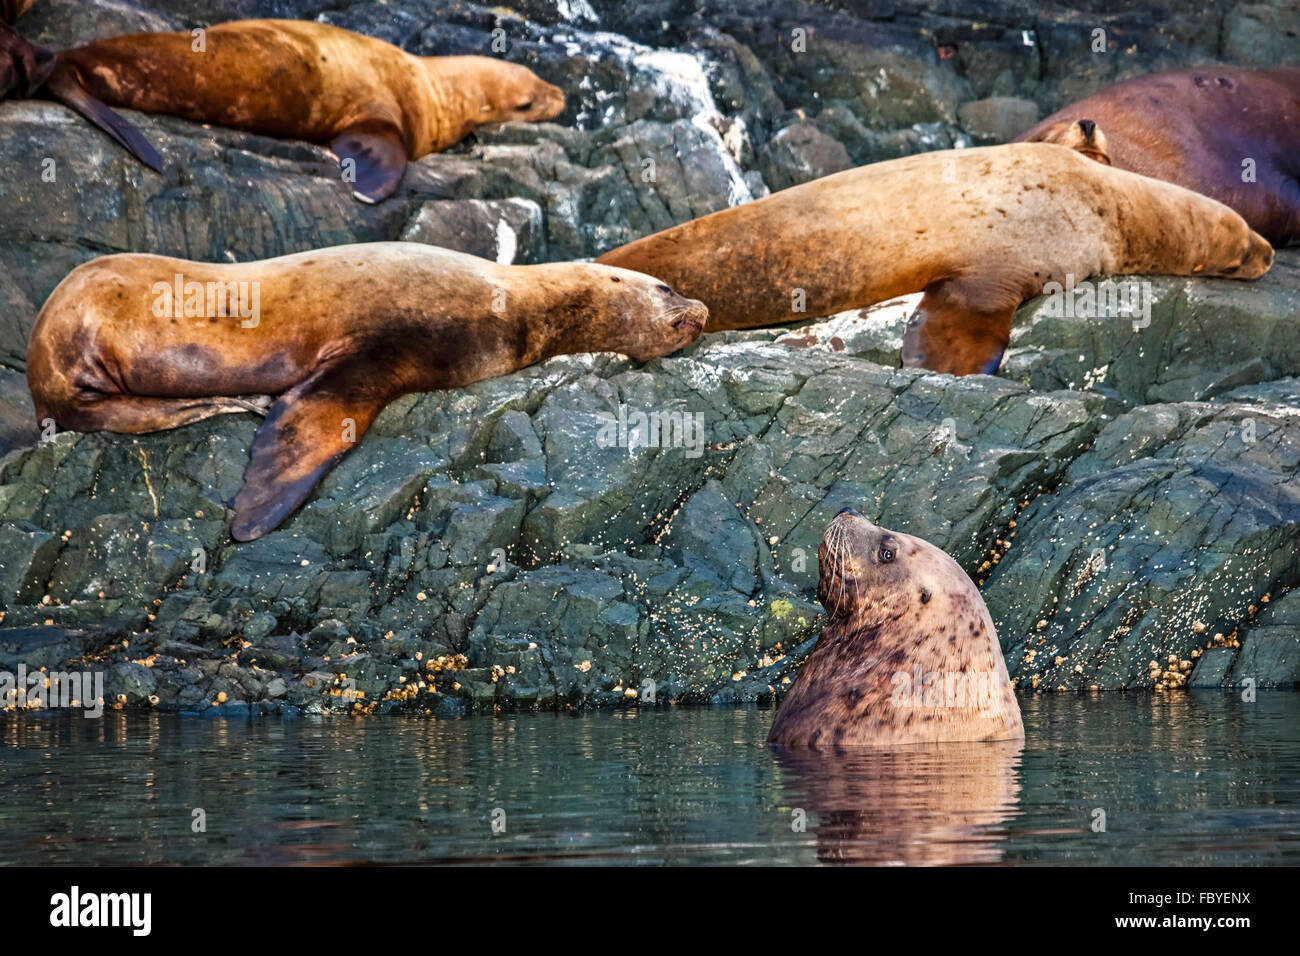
(908, 653)
(979, 230)
(373, 104)
(140, 343)
(1230, 134)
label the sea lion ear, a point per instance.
(372, 160)
(961, 326)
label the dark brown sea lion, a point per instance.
(374, 105)
(1227, 133)
(140, 343)
(908, 653)
(979, 230)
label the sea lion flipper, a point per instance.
(24, 66)
(64, 84)
(306, 431)
(961, 326)
(372, 158)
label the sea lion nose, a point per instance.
(1088, 126)
(849, 511)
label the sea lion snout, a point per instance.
(1082, 136)
(857, 562)
(686, 317)
(656, 320)
(1259, 257)
(1255, 259)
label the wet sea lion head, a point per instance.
(648, 319)
(1082, 136)
(512, 93)
(872, 573)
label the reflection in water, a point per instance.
(922, 805)
(1187, 778)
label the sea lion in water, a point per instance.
(373, 104)
(140, 343)
(979, 230)
(1230, 134)
(908, 653)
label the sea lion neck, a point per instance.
(458, 94)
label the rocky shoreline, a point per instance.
(1126, 498)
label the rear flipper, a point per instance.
(65, 85)
(136, 414)
(24, 66)
(307, 430)
(961, 326)
(372, 160)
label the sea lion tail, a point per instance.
(64, 85)
(24, 66)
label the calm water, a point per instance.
(1196, 778)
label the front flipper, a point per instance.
(65, 85)
(307, 430)
(961, 326)
(372, 159)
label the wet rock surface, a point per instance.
(593, 532)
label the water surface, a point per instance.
(1191, 778)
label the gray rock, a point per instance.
(1204, 337)
(503, 230)
(998, 119)
(800, 153)
(1177, 520)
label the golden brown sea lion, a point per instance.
(908, 653)
(374, 105)
(139, 343)
(978, 230)
(1230, 134)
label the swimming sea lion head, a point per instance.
(514, 93)
(875, 574)
(651, 319)
(1082, 136)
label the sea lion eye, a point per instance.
(886, 555)
(526, 105)
(665, 289)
